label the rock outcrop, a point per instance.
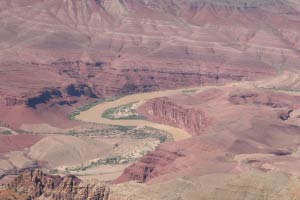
(163, 110)
(150, 166)
(38, 185)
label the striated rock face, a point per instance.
(163, 110)
(35, 184)
(150, 166)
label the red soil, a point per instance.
(17, 142)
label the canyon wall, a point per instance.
(151, 165)
(163, 110)
(37, 185)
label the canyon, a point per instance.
(105, 54)
(208, 91)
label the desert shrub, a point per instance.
(128, 110)
(6, 132)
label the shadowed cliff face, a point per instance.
(45, 97)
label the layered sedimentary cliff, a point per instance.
(37, 185)
(165, 111)
(150, 166)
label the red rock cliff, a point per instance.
(152, 165)
(163, 110)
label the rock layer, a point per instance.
(163, 110)
(149, 166)
(35, 185)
